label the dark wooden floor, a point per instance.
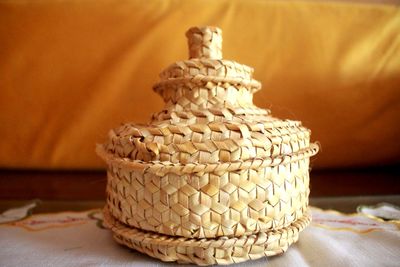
(90, 185)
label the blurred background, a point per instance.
(72, 70)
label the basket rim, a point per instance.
(251, 84)
(163, 167)
(148, 237)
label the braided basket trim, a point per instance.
(201, 79)
(209, 67)
(162, 167)
(207, 251)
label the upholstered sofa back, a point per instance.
(71, 70)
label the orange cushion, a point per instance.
(71, 70)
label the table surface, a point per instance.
(78, 238)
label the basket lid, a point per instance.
(209, 115)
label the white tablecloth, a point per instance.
(78, 239)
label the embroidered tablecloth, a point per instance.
(79, 239)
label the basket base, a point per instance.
(221, 250)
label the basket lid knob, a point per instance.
(205, 42)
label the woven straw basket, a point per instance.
(212, 179)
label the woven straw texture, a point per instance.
(221, 250)
(209, 165)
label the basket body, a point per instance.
(212, 178)
(211, 204)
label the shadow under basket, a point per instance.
(206, 251)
